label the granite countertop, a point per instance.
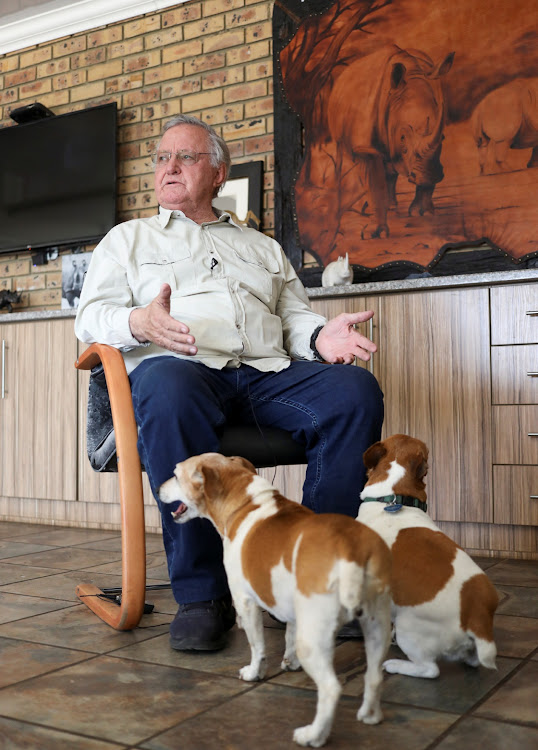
(425, 282)
(372, 287)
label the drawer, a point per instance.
(515, 495)
(515, 435)
(514, 374)
(514, 314)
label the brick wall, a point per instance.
(211, 59)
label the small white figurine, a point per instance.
(338, 272)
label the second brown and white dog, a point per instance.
(312, 571)
(443, 604)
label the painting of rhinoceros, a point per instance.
(401, 127)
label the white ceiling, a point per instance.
(24, 23)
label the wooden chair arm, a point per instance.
(133, 545)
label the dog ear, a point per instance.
(422, 468)
(374, 454)
(244, 463)
(209, 480)
(420, 463)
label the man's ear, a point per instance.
(374, 454)
(220, 178)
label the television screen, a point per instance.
(58, 180)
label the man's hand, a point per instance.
(339, 343)
(154, 323)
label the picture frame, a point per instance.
(74, 267)
(241, 195)
(461, 202)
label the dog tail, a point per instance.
(479, 600)
(486, 652)
(351, 586)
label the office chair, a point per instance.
(112, 446)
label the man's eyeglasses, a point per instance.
(186, 158)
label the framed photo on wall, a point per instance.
(242, 194)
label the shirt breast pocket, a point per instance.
(173, 267)
(259, 274)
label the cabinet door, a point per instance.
(38, 411)
(434, 368)
(514, 314)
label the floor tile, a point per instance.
(517, 600)
(349, 665)
(65, 558)
(155, 566)
(12, 529)
(116, 699)
(269, 713)
(15, 607)
(516, 572)
(78, 628)
(226, 662)
(154, 543)
(18, 735)
(10, 573)
(22, 659)
(66, 536)
(516, 699)
(515, 636)
(61, 585)
(493, 735)
(10, 548)
(457, 689)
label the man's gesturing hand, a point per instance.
(154, 323)
(339, 342)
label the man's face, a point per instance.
(186, 188)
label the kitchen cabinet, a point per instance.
(38, 439)
(514, 360)
(434, 369)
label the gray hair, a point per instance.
(220, 153)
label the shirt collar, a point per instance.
(165, 214)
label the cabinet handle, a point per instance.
(3, 368)
(371, 337)
(534, 497)
(532, 434)
(531, 312)
(532, 374)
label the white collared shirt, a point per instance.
(232, 286)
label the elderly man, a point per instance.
(214, 324)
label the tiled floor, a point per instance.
(68, 681)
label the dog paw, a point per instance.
(308, 737)
(290, 664)
(369, 716)
(249, 673)
(392, 666)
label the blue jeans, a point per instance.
(180, 405)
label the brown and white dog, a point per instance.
(314, 572)
(443, 604)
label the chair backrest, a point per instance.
(267, 446)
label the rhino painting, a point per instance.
(517, 129)
(404, 131)
(384, 114)
(398, 118)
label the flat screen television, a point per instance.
(58, 180)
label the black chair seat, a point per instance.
(262, 446)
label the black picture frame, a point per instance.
(243, 190)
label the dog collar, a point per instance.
(394, 503)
